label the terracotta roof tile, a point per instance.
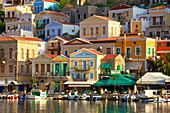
(110, 56)
(160, 7)
(94, 51)
(51, 56)
(71, 6)
(51, 1)
(64, 38)
(8, 38)
(55, 13)
(121, 6)
(29, 39)
(103, 17)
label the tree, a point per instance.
(33, 81)
(54, 8)
(163, 64)
(62, 3)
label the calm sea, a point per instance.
(65, 106)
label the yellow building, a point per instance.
(84, 69)
(98, 27)
(54, 45)
(124, 13)
(75, 45)
(136, 50)
(12, 18)
(159, 24)
(16, 54)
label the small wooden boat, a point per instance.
(37, 94)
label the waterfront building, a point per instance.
(40, 5)
(16, 54)
(159, 21)
(98, 27)
(45, 17)
(124, 13)
(70, 11)
(58, 28)
(54, 45)
(112, 64)
(12, 18)
(75, 45)
(162, 47)
(84, 69)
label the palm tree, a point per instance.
(163, 64)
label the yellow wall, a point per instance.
(133, 26)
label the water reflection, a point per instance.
(64, 106)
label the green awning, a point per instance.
(106, 66)
(120, 81)
(131, 77)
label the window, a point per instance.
(128, 52)
(13, 14)
(10, 68)
(78, 16)
(137, 51)
(72, 75)
(84, 75)
(167, 44)
(37, 23)
(99, 49)
(75, 50)
(35, 9)
(115, 30)
(42, 69)
(91, 30)
(127, 13)
(91, 76)
(8, 27)
(149, 51)
(22, 53)
(91, 14)
(134, 42)
(111, 30)
(2, 68)
(48, 67)
(36, 68)
(40, 32)
(65, 52)
(159, 44)
(27, 53)
(84, 31)
(91, 64)
(118, 50)
(8, 14)
(113, 15)
(37, 33)
(38, 9)
(153, 52)
(27, 69)
(22, 68)
(108, 50)
(59, 32)
(10, 52)
(75, 63)
(84, 15)
(104, 30)
(78, 75)
(97, 31)
(48, 32)
(136, 26)
(32, 53)
(2, 53)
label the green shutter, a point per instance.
(54, 69)
(40, 32)
(149, 51)
(159, 44)
(40, 22)
(118, 67)
(137, 51)
(153, 52)
(122, 68)
(37, 24)
(62, 69)
(166, 44)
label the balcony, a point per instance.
(157, 23)
(41, 26)
(59, 76)
(80, 79)
(82, 68)
(54, 48)
(42, 74)
(9, 17)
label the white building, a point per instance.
(59, 28)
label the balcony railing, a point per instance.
(81, 68)
(80, 79)
(41, 26)
(54, 48)
(60, 74)
(157, 23)
(42, 74)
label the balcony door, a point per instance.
(128, 52)
(65, 68)
(154, 20)
(161, 20)
(84, 65)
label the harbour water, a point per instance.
(71, 106)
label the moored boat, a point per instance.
(37, 94)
